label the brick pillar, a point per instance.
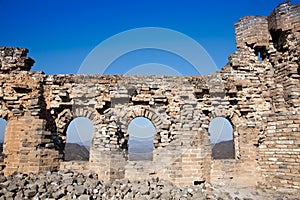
(27, 148)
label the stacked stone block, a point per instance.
(14, 59)
(285, 17)
(280, 152)
(252, 31)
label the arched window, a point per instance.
(221, 138)
(79, 138)
(141, 135)
(3, 124)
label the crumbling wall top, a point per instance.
(252, 30)
(285, 16)
(14, 59)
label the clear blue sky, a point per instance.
(60, 34)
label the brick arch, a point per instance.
(225, 112)
(83, 112)
(228, 117)
(65, 117)
(234, 120)
(147, 113)
(132, 113)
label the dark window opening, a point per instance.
(233, 102)
(198, 182)
(276, 38)
(239, 87)
(261, 53)
(206, 112)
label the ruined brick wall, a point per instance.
(253, 31)
(111, 102)
(259, 96)
(285, 17)
(27, 137)
(278, 72)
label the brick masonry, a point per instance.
(260, 97)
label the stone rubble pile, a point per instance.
(73, 185)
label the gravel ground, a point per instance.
(73, 185)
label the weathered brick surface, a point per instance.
(253, 31)
(285, 17)
(260, 97)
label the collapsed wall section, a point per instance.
(278, 144)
